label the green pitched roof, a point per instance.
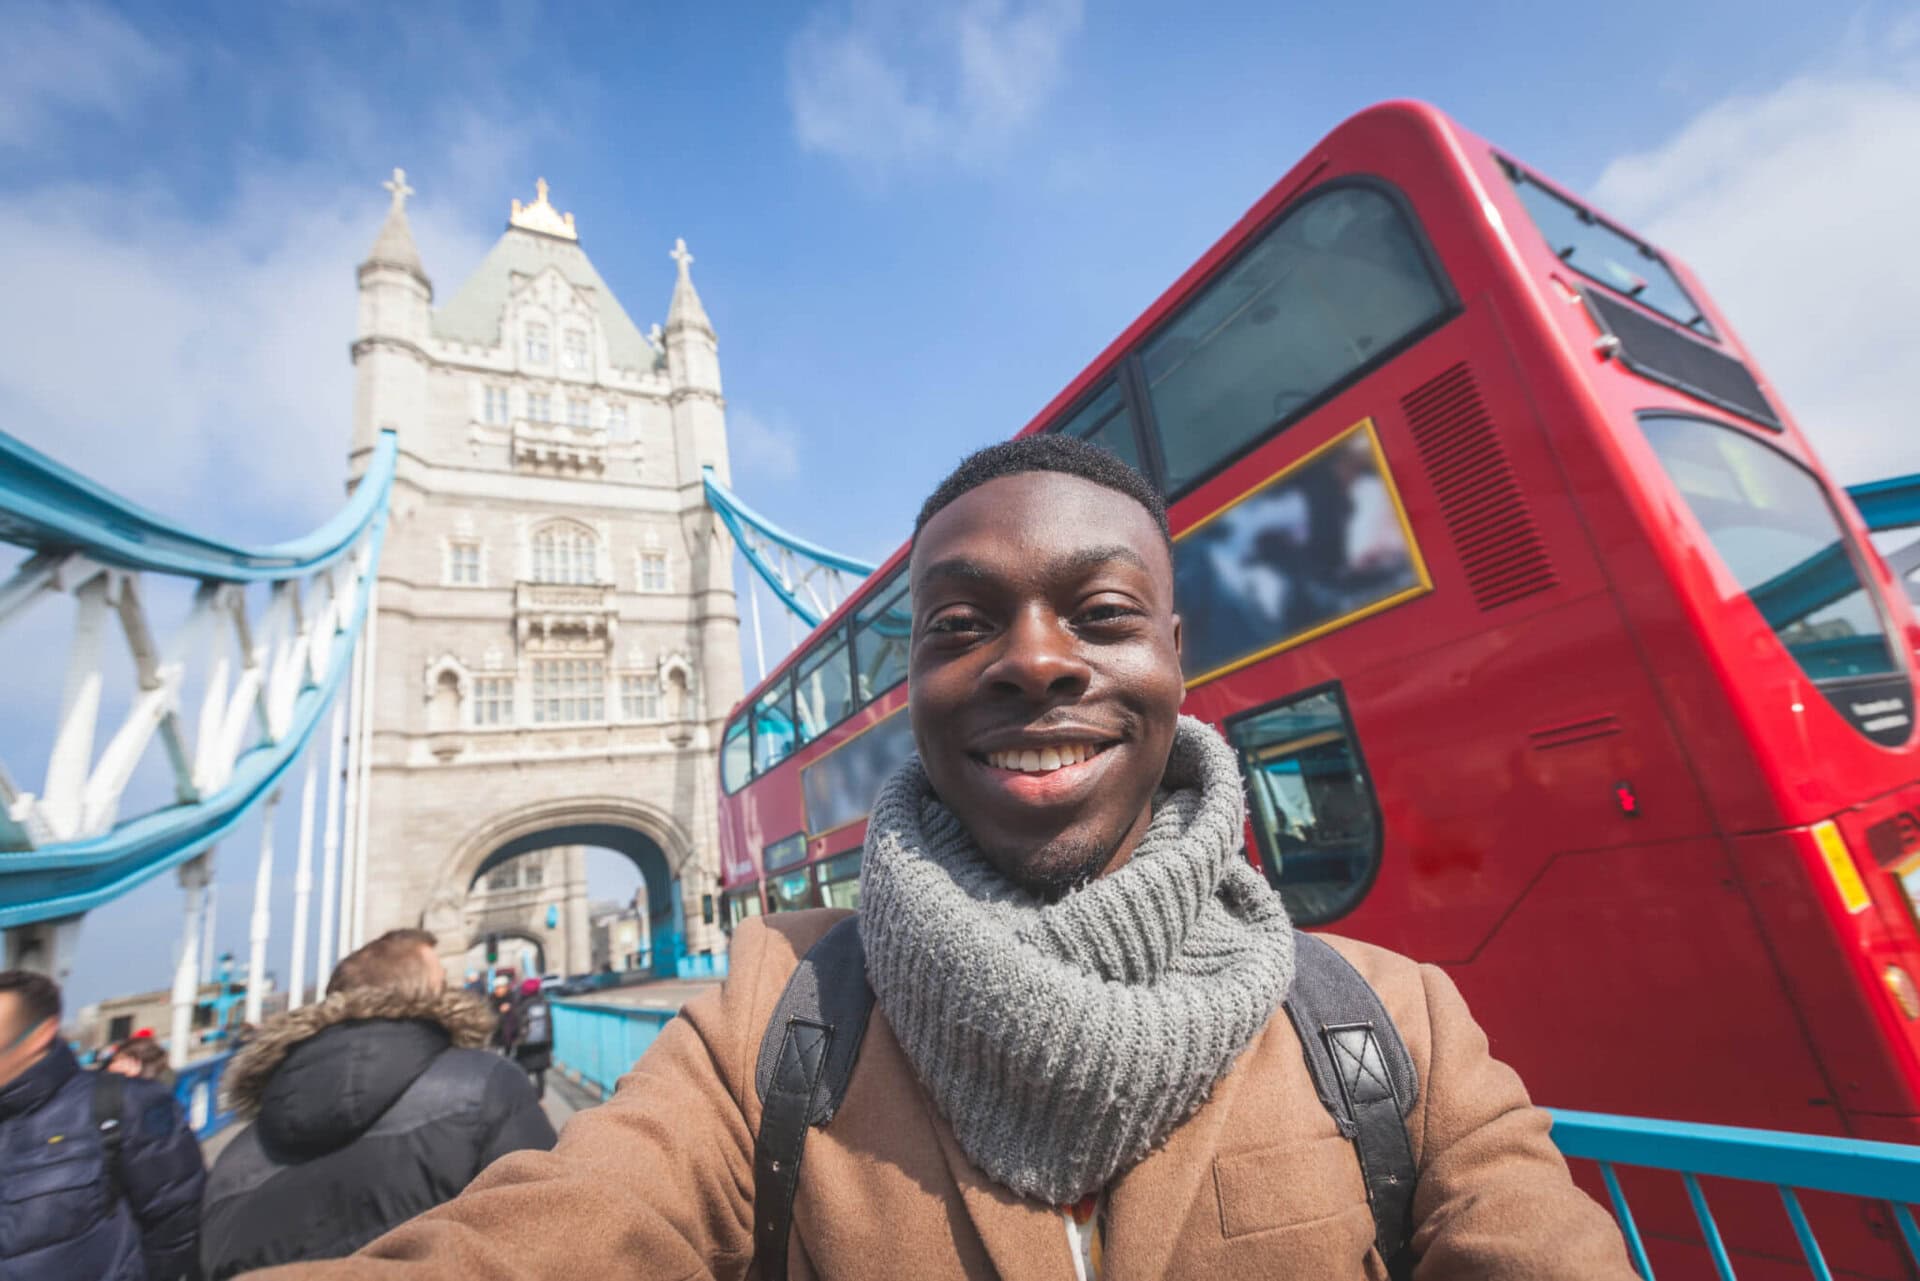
(473, 314)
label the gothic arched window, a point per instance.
(564, 552)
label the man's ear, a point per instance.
(1178, 648)
(43, 1036)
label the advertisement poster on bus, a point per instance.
(1319, 545)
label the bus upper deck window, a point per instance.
(1605, 254)
(1775, 530)
(736, 756)
(824, 693)
(773, 736)
(1104, 421)
(1334, 287)
(882, 626)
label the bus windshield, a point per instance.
(1775, 530)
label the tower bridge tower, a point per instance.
(556, 636)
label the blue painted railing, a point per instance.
(198, 1087)
(1792, 1163)
(596, 1044)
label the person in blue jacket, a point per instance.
(105, 1187)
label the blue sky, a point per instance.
(912, 223)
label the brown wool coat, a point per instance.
(658, 1182)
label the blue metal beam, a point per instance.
(740, 519)
(1888, 504)
(50, 507)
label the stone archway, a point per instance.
(649, 838)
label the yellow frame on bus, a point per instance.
(1423, 580)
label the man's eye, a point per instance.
(1108, 612)
(957, 623)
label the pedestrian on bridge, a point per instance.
(533, 1044)
(99, 1175)
(1058, 1039)
(140, 1056)
(368, 1108)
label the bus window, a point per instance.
(1103, 421)
(736, 756)
(881, 628)
(792, 892)
(840, 787)
(784, 852)
(1334, 287)
(1312, 808)
(740, 904)
(840, 880)
(824, 695)
(1776, 532)
(773, 726)
(1605, 255)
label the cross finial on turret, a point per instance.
(681, 256)
(398, 186)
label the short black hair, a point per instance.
(39, 996)
(1068, 455)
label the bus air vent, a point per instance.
(1486, 513)
(1581, 731)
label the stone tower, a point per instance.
(557, 636)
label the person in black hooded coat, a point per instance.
(372, 1106)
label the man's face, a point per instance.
(1045, 675)
(22, 1041)
(500, 987)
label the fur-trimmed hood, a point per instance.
(359, 1047)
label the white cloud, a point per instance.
(1795, 208)
(890, 84)
(767, 448)
(171, 358)
(57, 59)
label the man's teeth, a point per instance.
(1039, 761)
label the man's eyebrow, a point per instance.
(1081, 561)
(1092, 558)
(957, 567)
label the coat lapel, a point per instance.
(1027, 1241)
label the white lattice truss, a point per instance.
(254, 672)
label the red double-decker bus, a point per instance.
(1551, 653)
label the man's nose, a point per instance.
(1040, 658)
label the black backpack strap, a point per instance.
(806, 1060)
(108, 1091)
(1365, 1079)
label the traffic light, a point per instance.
(493, 949)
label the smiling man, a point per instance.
(1078, 1062)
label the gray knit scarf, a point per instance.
(1064, 1041)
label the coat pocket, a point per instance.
(1289, 1185)
(45, 1202)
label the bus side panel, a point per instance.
(1652, 945)
(1839, 997)
(1491, 753)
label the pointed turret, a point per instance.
(394, 246)
(686, 312)
(389, 354)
